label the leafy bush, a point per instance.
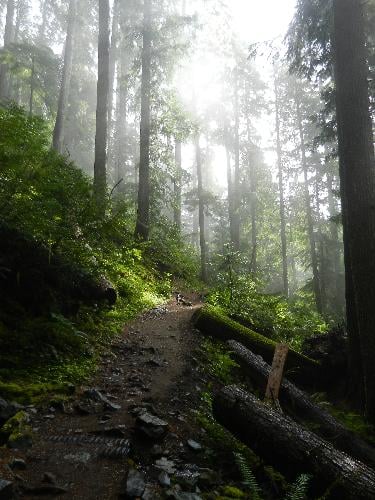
(48, 198)
(272, 315)
(172, 254)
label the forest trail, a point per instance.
(150, 366)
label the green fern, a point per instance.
(249, 479)
(298, 490)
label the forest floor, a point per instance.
(150, 369)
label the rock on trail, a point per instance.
(130, 433)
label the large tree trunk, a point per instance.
(309, 215)
(291, 448)
(120, 143)
(253, 203)
(112, 62)
(201, 216)
(8, 39)
(333, 226)
(100, 166)
(177, 185)
(142, 229)
(299, 404)
(20, 16)
(236, 178)
(321, 246)
(58, 132)
(357, 176)
(229, 184)
(14, 87)
(32, 84)
(43, 24)
(284, 256)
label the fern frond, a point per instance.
(248, 477)
(298, 490)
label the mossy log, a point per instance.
(40, 279)
(299, 404)
(211, 321)
(290, 448)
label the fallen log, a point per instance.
(290, 448)
(211, 321)
(42, 280)
(299, 404)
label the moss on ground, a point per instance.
(44, 356)
(16, 432)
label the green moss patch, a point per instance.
(16, 432)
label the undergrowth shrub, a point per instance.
(45, 196)
(271, 315)
(172, 253)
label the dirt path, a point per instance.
(150, 368)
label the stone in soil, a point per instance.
(46, 489)
(8, 410)
(17, 464)
(135, 484)
(165, 465)
(6, 489)
(156, 450)
(116, 431)
(187, 479)
(150, 493)
(95, 395)
(194, 445)
(50, 478)
(164, 479)
(85, 408)
(82, 457)
(155, 362)
(151, 426)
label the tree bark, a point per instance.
(291, 448)
(309, 216)
(201, 217)
(8, 39)
(357, 180)
(43, 25)
(253, 204)
(142, 229)
(321, 247)
(299, 404)
(284, 256)
(236, 179)
(100, 166)
(58, 132)
(177, 187)
(113, 52)
(229, 184)
(333, 212)
(32, 82)
(120, 144)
